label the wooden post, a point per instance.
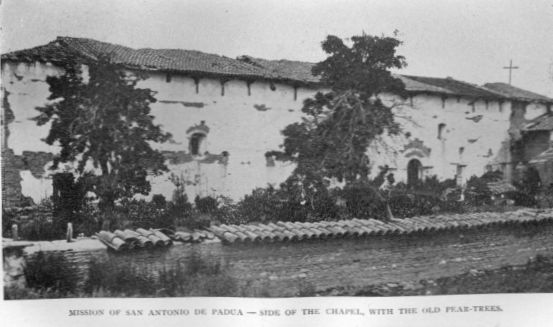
(15, 232)
(69, 232)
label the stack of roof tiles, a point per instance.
(297, 231)
(301, 231)
(127, 239)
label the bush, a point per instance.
(206, 204)
(477, 192)
(39, 226)
(289, 203)
(263, 204)
(411, 205)
(8, 219)
(87, 221)
(429, 197)
(363, 200)
(159, 200)
(545, 198)
(529, 187)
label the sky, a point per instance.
(469, 40)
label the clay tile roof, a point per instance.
(284, 69)
(514, 92)
(177, 60)
(413, 85)
(540, 123)
(456, 87)
(196, 62)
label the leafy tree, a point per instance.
(105, 130)
(339, 125)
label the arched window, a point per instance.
(197, 136)
(195, 144)
(441, 129)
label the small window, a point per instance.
(441, 128)
(195, 144)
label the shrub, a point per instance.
(8, 219)
(39, 226)
(159, 200)
(289, 203)
(263, 204)
(144, 214)
(529, 187)
(363, 200)
(477, 192)
(206, 204)
(410, 205)
(545, 199)
(306, 201)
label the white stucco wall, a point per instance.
(482, 130)
(235, 126)
(246, 133)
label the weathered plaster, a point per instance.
(243, 123)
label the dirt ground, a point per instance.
(536, 276)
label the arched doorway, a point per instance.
(414, 172)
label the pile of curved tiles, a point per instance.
(195, 236)
(296, 231)
(127, 239)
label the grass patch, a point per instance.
(51, 276)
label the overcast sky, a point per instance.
(469, 40)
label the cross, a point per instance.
(510, 68)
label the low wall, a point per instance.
(282, 269)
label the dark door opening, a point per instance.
(414, 172)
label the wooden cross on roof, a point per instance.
(510, 68)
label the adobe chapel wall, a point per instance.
(243, 123)
(239, 122)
